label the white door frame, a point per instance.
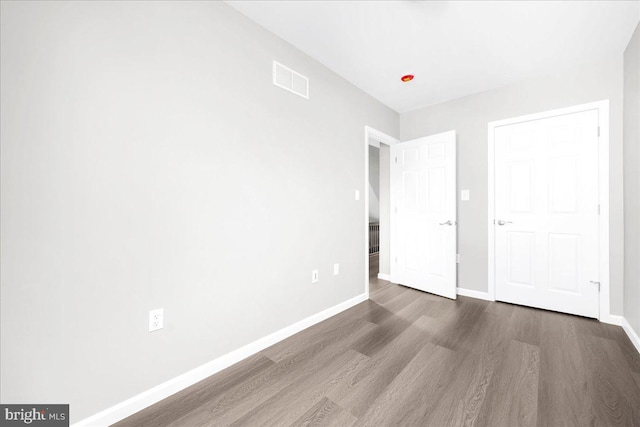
(603, 183)
(371, 137)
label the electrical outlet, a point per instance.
(156, 319)
(336, 269)
(314, 276)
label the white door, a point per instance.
(423, 214)
(546, 213)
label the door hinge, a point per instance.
(598, 130)
(595, 283)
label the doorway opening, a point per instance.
(376, 154)
(377, 208)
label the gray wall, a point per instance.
(632, 181)
(385, 209)
(469, 117)
(148, 161)
(374, 184)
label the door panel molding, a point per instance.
(602, 107)
(423, 216)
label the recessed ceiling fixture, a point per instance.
(407, 78)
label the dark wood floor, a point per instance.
(407, 358)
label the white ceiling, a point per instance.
(454, 48)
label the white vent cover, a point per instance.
(290, 80)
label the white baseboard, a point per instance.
(473, 294)
(384, 277)
(612, 319)
(633, 335)
(147, 398)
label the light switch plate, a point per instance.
(314, 276)
(464, 195)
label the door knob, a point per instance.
(446, 223)
(503, 222)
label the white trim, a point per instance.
(491, 188)
(380, 137)
(147, 398)
(633, 335)
(603, 178)
(613, 319)
(383, 276)
(603, 191)
(473, 294)
(370, 135)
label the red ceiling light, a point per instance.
(407, 78)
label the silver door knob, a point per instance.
(503, 222)
(446, 223)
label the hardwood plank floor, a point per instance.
(409, 358)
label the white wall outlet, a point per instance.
(357, 194)
(464, 195)
(314, 276)
(156, 319)
(336, 269)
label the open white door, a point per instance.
(423, 214)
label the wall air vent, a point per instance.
(290, 80)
